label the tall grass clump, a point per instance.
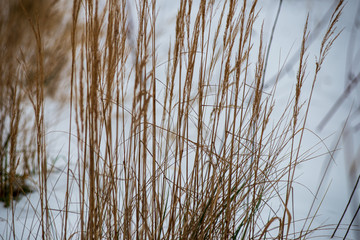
(180, 147)
(194, 153)
(32, 57)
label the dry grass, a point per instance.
(33, 56)
(195, 153)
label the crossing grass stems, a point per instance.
(195, 153)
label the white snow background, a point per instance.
(341, 66)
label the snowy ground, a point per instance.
(343, 61)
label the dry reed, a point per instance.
(195, 153)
